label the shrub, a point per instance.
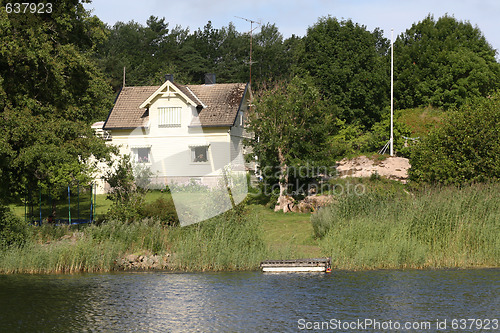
(127, 196)
(13, 230)
(465, 149)
(162, 209)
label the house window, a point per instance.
(199, 154)
(141, 155)
(169, 116)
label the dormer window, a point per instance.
(169, 116)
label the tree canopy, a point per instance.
(349, 67)
(290, 129)
(442, 63)
(464, 149)
(51, 90)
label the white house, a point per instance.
(181, 132)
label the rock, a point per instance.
(285, 203)
(143, 262)
(132, 258)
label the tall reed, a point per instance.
(231, 241)
(432, 228)
(227, 242)
(60, 249)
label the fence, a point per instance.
(64, 205)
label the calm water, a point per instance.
(247, 302)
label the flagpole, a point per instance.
(392, 93)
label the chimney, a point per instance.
(209, 78)
(169, 77)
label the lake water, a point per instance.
(252, 302)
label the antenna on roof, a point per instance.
(251, 31)
(123, 76)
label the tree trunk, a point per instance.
(284, 202)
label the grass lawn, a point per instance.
(292, 230)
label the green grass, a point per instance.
(292, 231)
(231, 241)
(432, 228)
(388, 227)
(420, 120)
(102, 206)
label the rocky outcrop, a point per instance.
(143, 262)
(306, 205)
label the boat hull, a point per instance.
(297, 265)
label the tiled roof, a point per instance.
(126, 112)
(220, 101)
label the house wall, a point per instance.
(239, 133)
(171, 156)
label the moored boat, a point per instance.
(297, 265)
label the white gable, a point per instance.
(167, 89)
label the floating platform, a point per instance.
(297, 265)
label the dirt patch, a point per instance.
(395, 168)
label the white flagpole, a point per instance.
(392, 93)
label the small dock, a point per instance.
(297, 265)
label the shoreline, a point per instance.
(130, 263)
(443, 228)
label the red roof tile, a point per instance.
(221, 103)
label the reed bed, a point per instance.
(225, 243)
(430, 228)
(231, 241)
(60, 249)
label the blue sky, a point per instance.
(294, 17)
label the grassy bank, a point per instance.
(232, 241)
(387, 227)
(430, 228)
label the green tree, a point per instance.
(442, 63)
(147, 52)
(349, 67)
(290, 129)
(465, 148)
(272, 56)
(50, 93)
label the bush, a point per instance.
(465, 149)
(13, 230)
(162, 209)
(127, 196)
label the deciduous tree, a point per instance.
(50, 93)
(291, 128)
(442, 63)
(349, 67)
(465, 148)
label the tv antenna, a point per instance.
(251, 31)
